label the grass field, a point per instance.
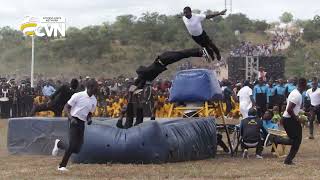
(222, 167)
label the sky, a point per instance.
(81, 13)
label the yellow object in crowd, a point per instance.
(40, 100)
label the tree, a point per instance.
(311, 31)
(238, 22)
(260, 26)
(286, 17)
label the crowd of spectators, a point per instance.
(279, 39)
(17, 98)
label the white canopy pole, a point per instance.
(32, 63)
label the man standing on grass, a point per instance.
(79, 110)
(194, 27)
(246, 100)
(291, 121)
(313, 95)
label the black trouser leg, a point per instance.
(294, 132)
(129, 116)
(14, 110)
(221, 143)
(29, 107)
(259, 148)
(139, 116)
(311, 120)
(171, 57)
(76, 134)
(5, 109)
(152, 71)
(228, 107)
(204, 41)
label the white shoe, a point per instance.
(55, 149)
(245, 154)
(63, 169)
(259, 156)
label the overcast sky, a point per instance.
(82, 13)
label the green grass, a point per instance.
(221, 167)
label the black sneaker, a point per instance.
(119, 124)
(289, 163)
(206, 55)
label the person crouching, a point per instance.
(250, 131)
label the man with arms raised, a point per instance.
(194, 27)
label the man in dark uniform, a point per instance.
(148, 74)
(58, 99)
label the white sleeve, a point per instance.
(73, 100)
(250, 92)
(94, 107)
(294, 99)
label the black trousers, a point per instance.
(261, 103)
(15, 112)
(149, 73)
(47, 107)
(204, 41)
(314, 111)
(294, 132)
(5, 109)
(130, 113)
(259, 146)
(76, 134)
(228, 107)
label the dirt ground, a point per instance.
(222, 167)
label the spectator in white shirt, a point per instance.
(246, 100)
(313, 95)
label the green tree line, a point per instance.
(119, 47)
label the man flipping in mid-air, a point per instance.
(148, 74)
(194, 26)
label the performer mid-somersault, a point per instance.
(194, 26)
(148, 74)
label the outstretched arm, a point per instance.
(209, 16)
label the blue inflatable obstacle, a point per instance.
(164, 140)
(195, 85)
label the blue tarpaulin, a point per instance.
(195, 85)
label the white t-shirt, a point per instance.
(314, 96)
(81, 104)
(193, 24)
(296, 98)
(244, 97)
